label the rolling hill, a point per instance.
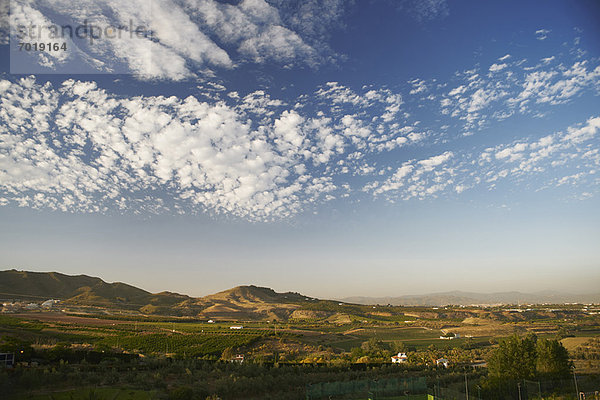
(25, 284)
(81, 290)
(250, 302)
(239, 303)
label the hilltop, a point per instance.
(25, 284)
(250, 302)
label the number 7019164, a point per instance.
(35, 46)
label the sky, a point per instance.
(333, 148)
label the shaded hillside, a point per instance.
(80, 289)
(24, 284)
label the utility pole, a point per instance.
(576, 387)
(519, 386)
(466, 387)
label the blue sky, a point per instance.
(329, 147)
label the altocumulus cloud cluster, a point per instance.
(74, 146)
(78, 146)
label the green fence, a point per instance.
(375, 389)
(450, 394)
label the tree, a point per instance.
(515, 358)
(21, 348)
(562, 333)
(399, 347)
(552, 359)
(373, 345)
(181, 393)
(363, 360)
(356, 352)
(228, 354)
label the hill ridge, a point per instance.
(240, 302)
(243, 302)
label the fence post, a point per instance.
(575, 379)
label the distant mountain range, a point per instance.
(239, 303)
(470, 298)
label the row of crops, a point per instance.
(190, 345)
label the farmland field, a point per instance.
(142, 357)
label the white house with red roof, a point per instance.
(400, 358)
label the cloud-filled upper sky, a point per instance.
(284, 125)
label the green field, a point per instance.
(93, 394)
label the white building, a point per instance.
(442, 361)
(49, 303)
(450, 336)
(400, 358)
(239, 358)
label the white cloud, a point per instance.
(416, 179)
(188, 37)
(477, 99)
(256, 157)
(542, 34)
(4, 22)
(460, 188)
(557, 86)
(203, 155)
(278, 44)
(531, 163)
(432, 162)
(497, 67)
(23, 18)
(583, 133)
(419, 86)
(457, 91)
(512, 153)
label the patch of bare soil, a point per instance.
(69, 319)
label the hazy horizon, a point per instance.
(324, 296)
(330, 148)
